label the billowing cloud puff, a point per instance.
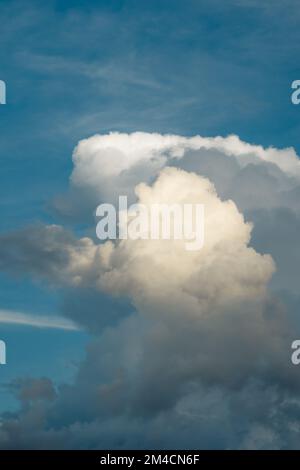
(105, 164)
(264, 183)
(223, 271)
(108, 165)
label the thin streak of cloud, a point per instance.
(12, 317)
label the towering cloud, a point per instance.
(198, 352)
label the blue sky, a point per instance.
(76, 68)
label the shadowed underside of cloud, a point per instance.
(189, 349)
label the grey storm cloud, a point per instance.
(42, 251)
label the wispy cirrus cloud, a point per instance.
(11, 317)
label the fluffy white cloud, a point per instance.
(115, 163)
(224, 271)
